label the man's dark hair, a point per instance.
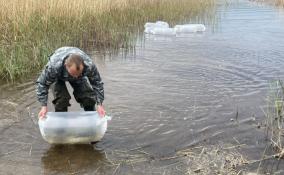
(74, 59)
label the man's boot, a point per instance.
(62, 109)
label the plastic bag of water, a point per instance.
(158, 24)
(161, 31)
(189, 28)
(73, 127)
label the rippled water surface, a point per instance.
(172, 93)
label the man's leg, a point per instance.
(61, 96)
(84, 94)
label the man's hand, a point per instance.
(101, 111)
(42, 112)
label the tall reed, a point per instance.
(274, 116)
(279, 3)
(31, 29)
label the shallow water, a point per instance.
(172, 93)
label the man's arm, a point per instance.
(46, 78)
(97, 84)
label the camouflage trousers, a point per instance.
(83, 93)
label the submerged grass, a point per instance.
(30, 30)
(212, 159)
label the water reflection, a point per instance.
(72, 159)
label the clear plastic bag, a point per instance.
(158, 24)
(73, 127)
(190, 28)
(162, 31)
(162, 28)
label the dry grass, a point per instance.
(30, 30)
(197, 160)
(213, 160)
(278, 3)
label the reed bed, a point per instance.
(274, 117)
(278, 3)
(30, 30)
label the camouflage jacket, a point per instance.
(55, 70)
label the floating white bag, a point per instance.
(158, 24)
(148, 29)
(162, 24)
(73, 127)
(190, 28)
(162, 31)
